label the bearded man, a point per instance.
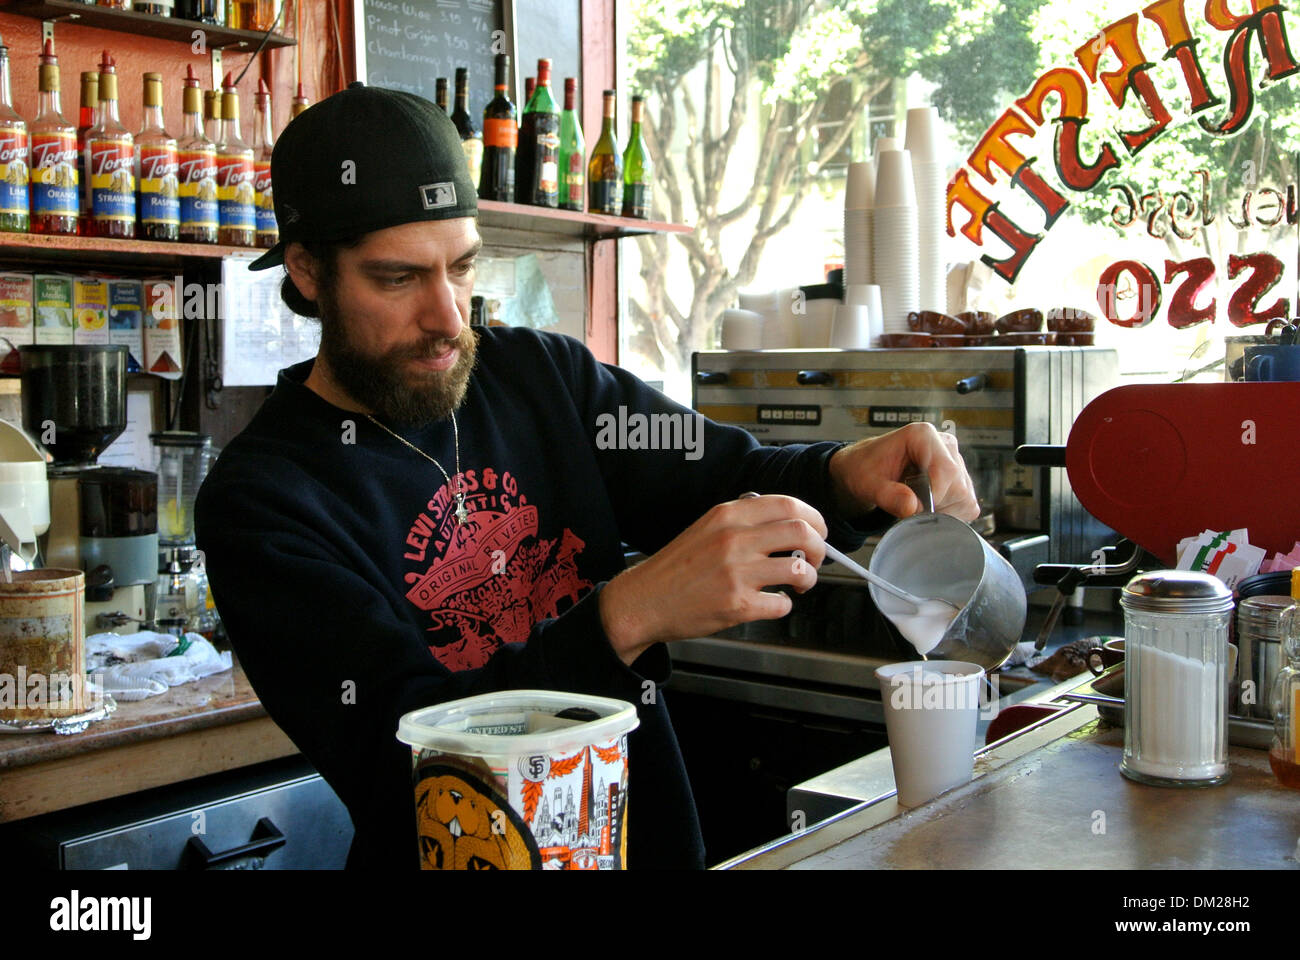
(423, 512)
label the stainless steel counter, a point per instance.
(1053, 797)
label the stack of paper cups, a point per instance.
(925, 144)
(894, 240)
(859, 196)
(857, 319)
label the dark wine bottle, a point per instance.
(537, 163)
(440, 93)
(500, 139)
(470, 140)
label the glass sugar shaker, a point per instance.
(1284, 754)
(1176, 678)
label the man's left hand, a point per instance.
(866, 475)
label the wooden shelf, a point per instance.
(104, 251)
(592, 226)
(144, 24)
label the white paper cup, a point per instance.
(924, 134)
(895, 186)
(763, 303)
(851, 329)
(931, 710)
(815, 325)
(887, 143)
(742, 330)
(860, 190)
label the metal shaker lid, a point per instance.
(1263, 614)
(1176, 591)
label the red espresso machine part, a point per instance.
(1162, 462)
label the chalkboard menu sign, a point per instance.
(408, 44)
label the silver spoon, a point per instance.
(883, 584)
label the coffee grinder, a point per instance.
(103, 520)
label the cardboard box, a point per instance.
(55, 321)
(126, 320)
(162, 327)
(15, 317)
(90, 303)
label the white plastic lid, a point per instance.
(458, 726)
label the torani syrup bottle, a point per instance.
(13, 157)
(268, 233)
(234, 175)
(85, 120)
(156, 169)
(197, 172)
(55, 199)
(110, 162)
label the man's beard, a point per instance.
(386, 385)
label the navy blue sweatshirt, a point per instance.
(351, 596)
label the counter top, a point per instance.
(1052, 796)
(220, 699)
(192, 730)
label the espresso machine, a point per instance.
(993, 399)
(103, 520)
(798, 696)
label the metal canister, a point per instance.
(1259, 654)
(42, 645)
(1175, 678)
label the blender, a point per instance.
(103, 520)
(182, 601)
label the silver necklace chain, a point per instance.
(462, 512)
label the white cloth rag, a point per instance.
(139, 665)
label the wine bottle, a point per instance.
(14, 199)
(638, 169)
(110, 162)
(537, 163)
(500, 139)
(573, 153)
(605, 171)
(530, 86)
(156, 165)
(55, 204)
(470, 140)
(440, 94)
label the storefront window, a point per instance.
(757, 107)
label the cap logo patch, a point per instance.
(436, 195)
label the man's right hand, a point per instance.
(712, 575)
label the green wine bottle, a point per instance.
(605, 171)
(573, 153)
(638, 170)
